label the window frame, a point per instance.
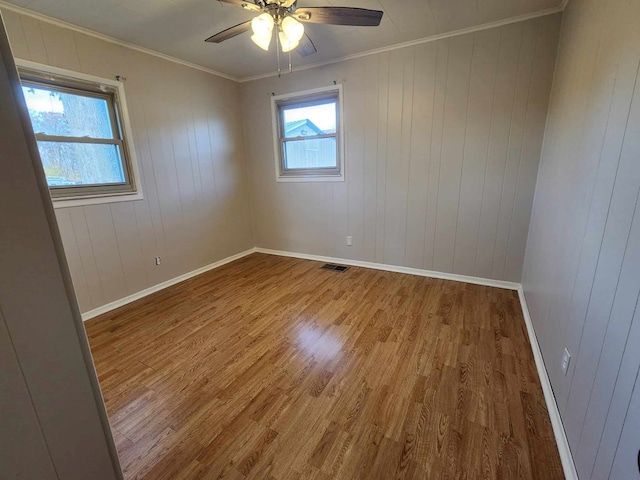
(316, 96)
(112, 91)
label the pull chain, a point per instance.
(278, 51)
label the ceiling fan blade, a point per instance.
(246, 4)
(230, 33)
(360, 17)
(288, 3)
(306, 46)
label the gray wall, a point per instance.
(442, 141)
(582, 267)
(52, 419)
(187, 130)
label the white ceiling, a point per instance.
(178, 27)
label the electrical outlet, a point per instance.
(158, 261)
(566, 359)
(349, 241)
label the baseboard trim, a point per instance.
(156, 288)
(397, 269)
(568, 465)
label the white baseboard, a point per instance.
(378, 266)
(568, 465)
(148, 291)
(393, 268)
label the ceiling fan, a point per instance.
(285, 16)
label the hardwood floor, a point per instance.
(272, 368)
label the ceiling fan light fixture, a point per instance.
(262, 42)
(293, 29)
(262, 27)
(286, 43)
(285, 17)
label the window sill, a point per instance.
(66, 202)
(328, 178)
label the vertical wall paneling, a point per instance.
(33, 35)
(543, 67)
(189, 142)
(128, 244)
(354, 150)
(397, 163)
(435, 148)
(481, 99)
(370, 161)
(87, 258)
(582, 268)
(383, 99)
(105, 248)
(23, 445)
(626, 379)
(613, 254)
(500, 126)
(442, 149)
(74, 259)
(456, 110)
(616, 337)
(626, 463)
(514, 148)
(421, 125)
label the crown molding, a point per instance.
(431, 38)
(107, 38)
(397, 46)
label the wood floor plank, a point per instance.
(273, 368)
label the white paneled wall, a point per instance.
(443, 142)
(187, 131)
(582, 268)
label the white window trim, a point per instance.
(136, 194)
(276, 136)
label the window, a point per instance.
(79, 124)
(308, 135)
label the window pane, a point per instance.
(68, 164)
(305, 121)
(312, 153)
(67, 114)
